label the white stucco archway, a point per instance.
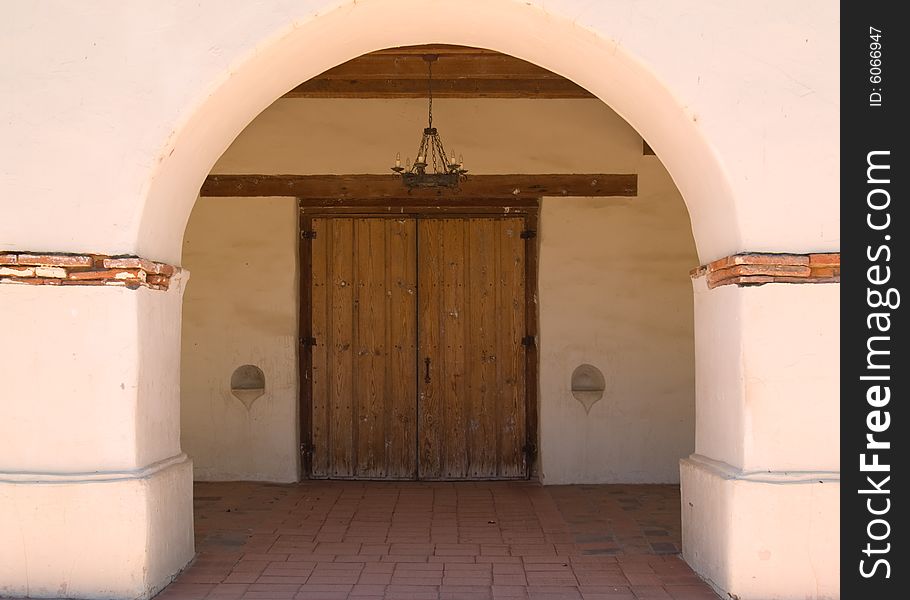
(298, 51)
(162, 92)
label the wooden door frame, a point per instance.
(310, 208)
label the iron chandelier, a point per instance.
(433, 167)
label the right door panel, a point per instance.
(472, 421)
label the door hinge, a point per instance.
(307, 341)
(530, 450)
(528, 234)
(306, 450)
(527, 341)
(308, 235)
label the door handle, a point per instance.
(426, 373)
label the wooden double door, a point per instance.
(418, 363)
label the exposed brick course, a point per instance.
(35, 268)
(55, 260)
(753, 268)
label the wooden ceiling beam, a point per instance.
(439, 49)
(459, 72)
(371, 187)
(448, 88)
(483, 66)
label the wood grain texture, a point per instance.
(513, 326)
(388, 293)
(532, 353)
(398, 207)
(471, 301)
(363, 401)
(357, 189)
(506, 87)
(458, 72)
(430, 435)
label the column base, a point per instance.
(764, 535)
(121, 535)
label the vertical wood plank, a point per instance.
(430, 281)
(451, 370)
(531, 249)
(511, 379)
(370, 359)
(320, 394)
(401, 431)
(341, 307)
(482, 429)
(304, 352)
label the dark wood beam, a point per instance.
(372, 187)
(458, 72)
(445, 88)
(462, 66)
(438, 49)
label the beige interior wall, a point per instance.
(613, 282)
(615, 293)
(240, 308)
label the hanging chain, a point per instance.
(430, 90)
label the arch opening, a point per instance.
(603, 262)
(299, 51)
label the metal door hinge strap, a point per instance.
(308, 235)
(527, 341)
(528, 233)
(307, 341)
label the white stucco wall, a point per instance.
(613, 281)
(111, 115)
(729, 113)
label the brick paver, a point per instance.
(410, 540)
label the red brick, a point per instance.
(55, 260)
(716, 277)
(295, 580)
(830, 259)
(819, 272)
(53, 272)
(375, 578)
(12, 271)
(123, 275)
(7, 259)
(130, 262)
(650, 592)
(759, 258)
(691, 592)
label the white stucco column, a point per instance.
(760, 495)
(95, 493)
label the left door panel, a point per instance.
(364, 299)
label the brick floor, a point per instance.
(484, 540)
